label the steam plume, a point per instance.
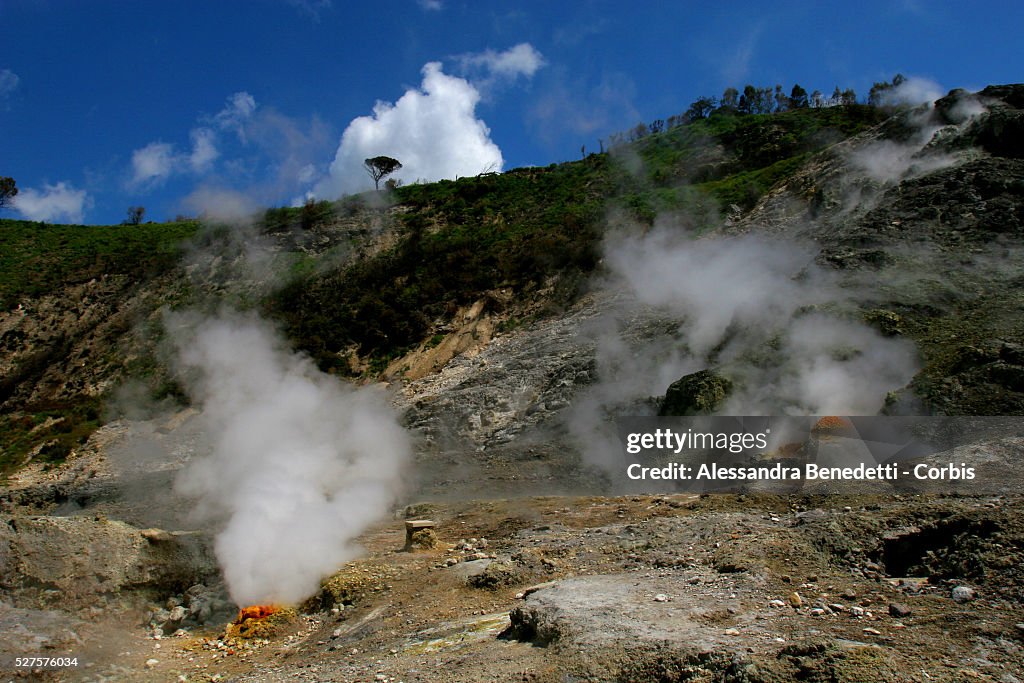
(300, 463)
(757, 310)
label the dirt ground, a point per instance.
(644, 588)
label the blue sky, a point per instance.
(185, 106)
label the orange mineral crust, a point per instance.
(255, 612)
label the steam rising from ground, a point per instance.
(300, 463)
(760, 312)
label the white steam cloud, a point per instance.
(913, 90)
(221, 204)
(737, 295)
(750, 308)
(53, 202)
(301, 463)
(432, 130)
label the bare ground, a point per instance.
(645, 588)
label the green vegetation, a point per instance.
(8, 190)
(54, 429)
(532, 226)
(460, 239)
(38, 259)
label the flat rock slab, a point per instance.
(630, 609)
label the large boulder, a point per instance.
(699, 393)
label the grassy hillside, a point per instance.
(529, 226)
(38, 258)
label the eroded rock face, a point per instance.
(84, 558)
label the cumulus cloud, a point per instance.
(433, 130)
(53, 202)
(8, 82)
(153, 163)
(520, 60)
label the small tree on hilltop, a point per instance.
(8, 189)
(378, 167)
(798, 98)
(135, 214)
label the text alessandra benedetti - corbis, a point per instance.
(808, 472)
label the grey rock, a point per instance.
(962, 594)
(898, 609)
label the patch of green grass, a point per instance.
(39, 258)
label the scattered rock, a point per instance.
(962, 594)
(898, 609)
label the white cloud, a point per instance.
(520, 60)
(158, 161)
(60, 201)
(239, 110)
(432, 130)
(490, 68)
(8, 82)
(204, 149)
(153, 163)
(433, 5)
(243, 144)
